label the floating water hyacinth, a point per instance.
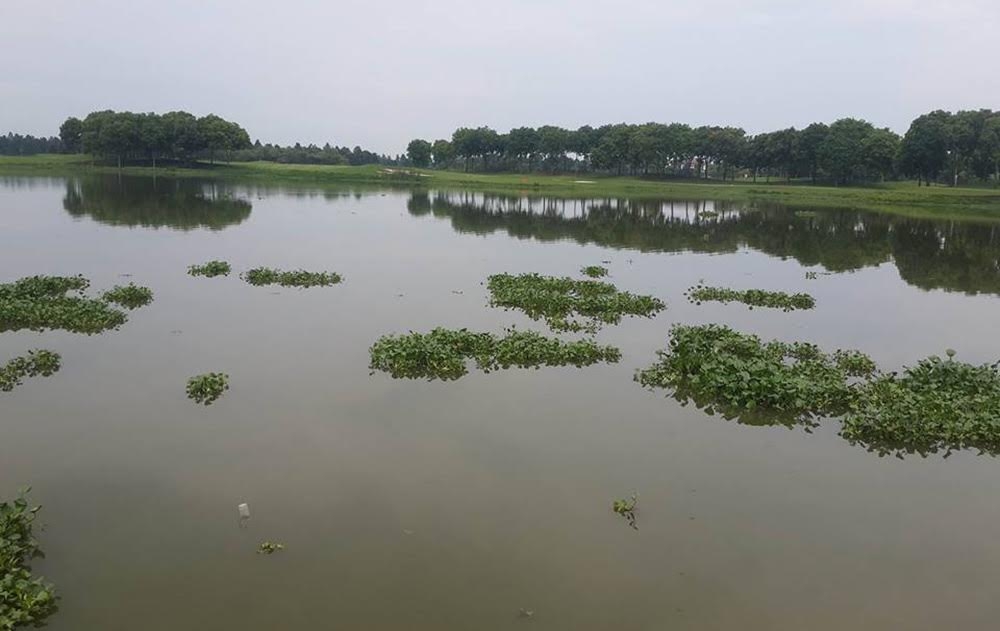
(269, 547)
(567, 304)
(939, 404)
(594, 271)
(41, 303)
(626, 508)
(751, 297)
(35, 363)
(25, 600)
(130, 296)
(444, 353)
(211, 269)
(260, 276)
(719, 368)
(206, 389)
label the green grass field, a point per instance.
(898, 197)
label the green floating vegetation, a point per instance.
(594, 271)
(300, 278)
(25, 600)
(567, 304)
(206, 389)
(443, 353)
(210, 269)
(130, 296)
(40, 303)
(35, 363)
(751, 297)
(721, 369)
(626, 508)
(270, 547)
(806, 214)
(939, 404)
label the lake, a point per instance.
(408, 504)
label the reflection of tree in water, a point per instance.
(182, 204)
(930, 254)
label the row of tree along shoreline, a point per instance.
(939, 147)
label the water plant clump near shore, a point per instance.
(567, 304)
(40, 303)
(719, 368)
(35, 363)
(444, 353)
(751, 297)
(130, 296)
(300, 278)
(211, 269)
(25, 600)
(594, 271)
(939, 404)
(626, 508)
(206, 389)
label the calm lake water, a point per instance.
(429, 505)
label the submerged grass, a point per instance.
(130, 296)
(300, 278)
(35, 363)
(567, 304)
(211, 269)
(40, 303)
(732, 372)
(206, 389)
(25, 600)
(939, 404)
(444, 353)
(751, 297)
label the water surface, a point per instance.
(428, 505)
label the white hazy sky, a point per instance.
(378, 73)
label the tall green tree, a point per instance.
(419, 152)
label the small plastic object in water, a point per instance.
(244, 510)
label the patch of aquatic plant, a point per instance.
(939, 404)
(444, 353)
(722, 369)
(35, 363)
(806, 214)
(25, 600)
(751, 297)
(41, 303)
(567, 304)
(270, 547)
(626, 508)
(594, 271)
(210, 269)
(130, 296)
(299, 278)
(206, 389)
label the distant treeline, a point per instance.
(128, 137)
(939, 146)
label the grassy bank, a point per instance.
(898, 197)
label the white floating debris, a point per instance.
(244, 510)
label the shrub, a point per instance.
(567, 304)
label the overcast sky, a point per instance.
(378, 73)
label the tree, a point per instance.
(880, 149)
(990, 145)
(924, 149)
(419, 152)
(522, 144)
(809, 142)
(841, 154)
(71, 135)
(443, 153)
